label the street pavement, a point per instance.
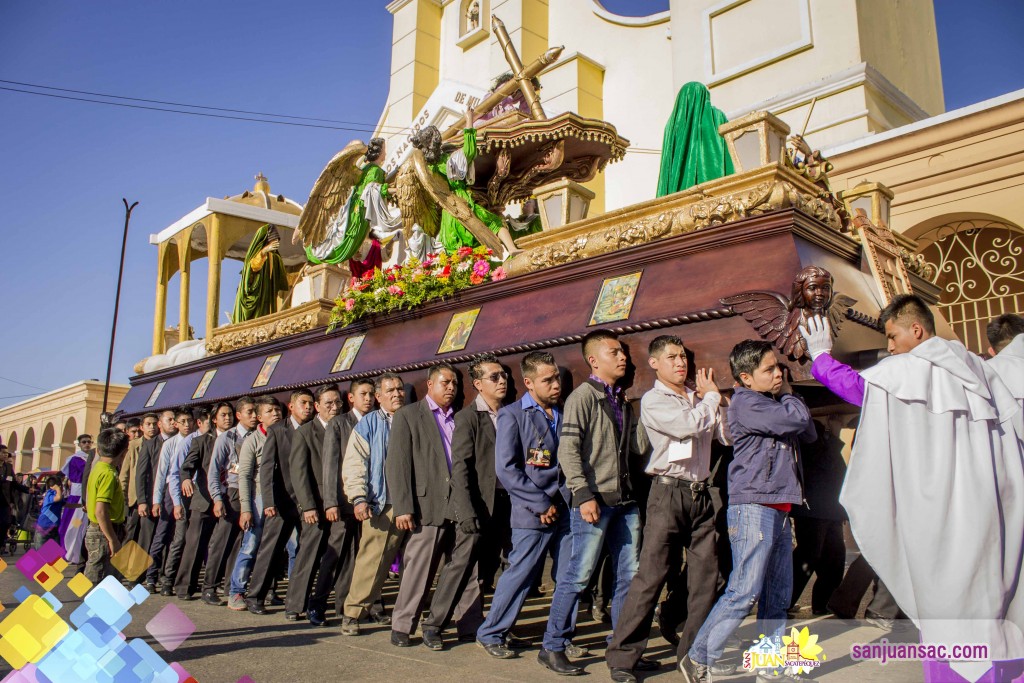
(229, 645)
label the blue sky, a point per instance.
(66, 164)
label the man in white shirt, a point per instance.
(681, 424)
(1006, 336)
(162, 509)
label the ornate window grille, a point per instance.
(979, 266)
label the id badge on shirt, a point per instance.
(538, 457)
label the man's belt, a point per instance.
(696, 487)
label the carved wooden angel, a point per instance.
(777, 320)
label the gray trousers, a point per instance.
(424, 550)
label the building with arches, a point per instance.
(956, 181)
(41, 432)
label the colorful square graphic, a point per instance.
(30, 631)
(170, 627)
(131, 560)
(79, 584)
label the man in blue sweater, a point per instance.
(766, 423)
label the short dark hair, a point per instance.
(659, 343)
(112, 443)
(84, 436)
(904, 306)
(594, 337)
(202, 414)
(300, 392)
(182, 411)
(52, 481)
(133, 422)
(532, 361)
(323, 389)
(360, 382)
(1002, 330)
(268, 401)
(378, 382)
(479, 361)
(746, 356)
(436, 370)
(150, 415)
(245, 401)
(164, 411)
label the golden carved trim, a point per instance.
(285, 323)
(714, 203)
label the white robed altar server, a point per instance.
(935, 495)
(1006, 336)
(935, 487)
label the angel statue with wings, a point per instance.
(778, 320)
(347, 206)
(456, 168)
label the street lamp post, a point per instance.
(117, 298)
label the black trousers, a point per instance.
(224, 544)
(336, 564)
(177, 546)
(162, 535)
(312, 541)
(673, 609)
(846, 599)
(131, 525)
(677, 518)
(455, 575)
(821, 550)
(271, 556)
(197, 541)
(495, 539)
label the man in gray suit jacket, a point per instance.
(418, 473)
(342, 528)
(306, 467)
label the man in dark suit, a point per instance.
(280, 513)
(526, 445)
(194, 487)
(145, 473)
(472, 489)
(342, 527)
(417, 471)
(306, 466)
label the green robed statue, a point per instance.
(693, 152)
(263, 277)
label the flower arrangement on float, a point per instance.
(413, 283)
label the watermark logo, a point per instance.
(798, 652)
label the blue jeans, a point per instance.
(762, 573)
(247, 551)
(619, 528)
(291, 548)
(525, 562)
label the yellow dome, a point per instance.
(261, 196)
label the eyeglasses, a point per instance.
(495, 376)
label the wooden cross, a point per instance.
(516, 64)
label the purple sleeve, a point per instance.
(839, 378)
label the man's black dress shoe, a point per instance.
(185, 596)
(622, 675)
(558, 663)
(432, 639)
(275, 601)
(380, 618)
(292, 616)
(644, 664)
(517, 643)
(317, 618)
(668, 631)
(211, 598)
(167, 591)
(255, 607)
(399, 639)
(497, 650)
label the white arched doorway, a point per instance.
(979, 267)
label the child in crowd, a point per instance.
(106, 505)
(48, 524)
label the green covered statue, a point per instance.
(693, 152)
(263, 277)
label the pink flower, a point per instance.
(481, 268)
(464, 251)
(391, 277)
(499, 274)
(350, 304)
(395, 290)
(368, 275)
